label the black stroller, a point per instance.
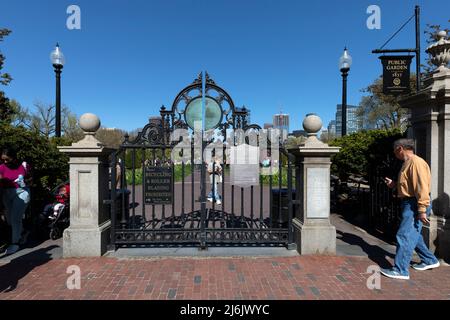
(56, 215)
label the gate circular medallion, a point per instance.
(213, 113)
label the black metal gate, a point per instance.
(385, 211)
(160, 183)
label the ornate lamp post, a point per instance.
(57, 58)
(345, 63)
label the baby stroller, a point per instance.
(56, 215)
(59, 222)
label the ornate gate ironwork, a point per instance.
(161, 202)
(385, 210)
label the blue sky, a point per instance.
(132, 56)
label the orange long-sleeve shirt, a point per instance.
(414, 180)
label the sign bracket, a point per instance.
(416, 50)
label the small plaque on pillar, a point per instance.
(318, 193)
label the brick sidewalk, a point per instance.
(303, 277)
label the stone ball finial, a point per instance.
(312, 124)
(89, 123)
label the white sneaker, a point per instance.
(210, 199)
(218, 202)
(394, 274)
(422, 266)
(13, 248)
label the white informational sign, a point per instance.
(318, 193)
(244, 165)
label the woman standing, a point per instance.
(215, 177)
(15, 179)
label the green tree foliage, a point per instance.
(137, 157)
(380, 110)
(19, 115)
(327, 137)
(49, 166)
(110, 137)
(363, 152)
(5, 79)
(292, 142)
(42, 120)
(70, 127)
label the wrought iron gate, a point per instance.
(385, 210)
(161, 201)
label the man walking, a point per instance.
(413, 188)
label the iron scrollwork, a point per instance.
(151, 134)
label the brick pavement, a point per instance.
(248, 278)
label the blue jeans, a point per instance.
(16, 202)
(214, 194)
(409, 238)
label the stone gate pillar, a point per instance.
(430, 120)
(88, 233)
(314, 232)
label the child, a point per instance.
(61, 199)
(215, 178)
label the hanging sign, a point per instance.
(396, 72)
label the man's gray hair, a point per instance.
(407, 144)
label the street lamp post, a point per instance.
(57, 58)
(345, 63)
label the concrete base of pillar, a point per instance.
(86, 242)
(437, 237)
(430, 234)
(315, 239)
(444, 243)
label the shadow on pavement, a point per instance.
(17, 268)
(374, 252)
(361, 220)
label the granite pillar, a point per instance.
(88, 233)
(314, 232)
(430, 127)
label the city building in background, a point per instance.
(352, 120)
(281, 122)
(332, 128)
(268, 126)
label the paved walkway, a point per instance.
(39, 272)
(284, 278)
